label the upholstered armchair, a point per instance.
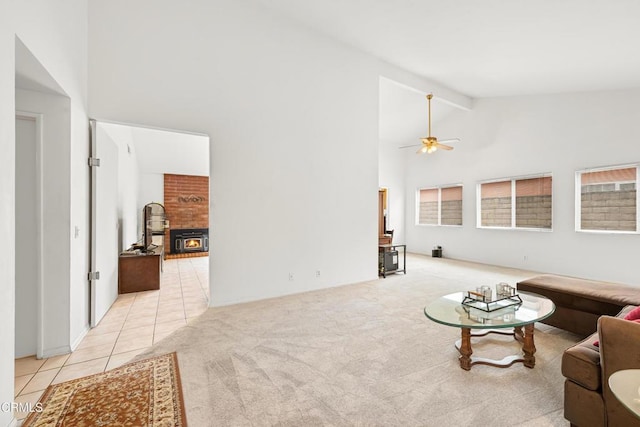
(588, 400)
(619, 349)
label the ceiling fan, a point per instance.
(431, 143)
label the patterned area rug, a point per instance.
(143, 393)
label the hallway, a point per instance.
(133, 323)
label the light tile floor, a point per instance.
(133, 323)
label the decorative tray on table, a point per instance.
(475, 300)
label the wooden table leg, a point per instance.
(529, 347)
(524, 335)
(518, 334)
(465, 349)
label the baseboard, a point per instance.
(65, 349)
(79, 339)
(56, 351)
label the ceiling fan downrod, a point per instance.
(429, 96)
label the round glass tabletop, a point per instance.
(450, 311)
(625, 386)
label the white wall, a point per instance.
(391, 177)
(56, 33)
(514, 136)
(128, 177)
(150, 189)
(292, 118)
(128, 191)
(7, 208)
(163, 151)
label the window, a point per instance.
(495, 208)
(440, 205)
(533, 202)
(451, 205)
(607, 200)
(523, 203)
(428, 209)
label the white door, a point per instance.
(104, 223)
(27, 262)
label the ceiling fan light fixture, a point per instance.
(430, 143)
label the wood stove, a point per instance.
(187, 240)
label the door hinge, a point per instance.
(93, 161)
(94, 275)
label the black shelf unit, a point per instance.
(389, 259)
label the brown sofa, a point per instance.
(588, 401)
(585, 307)
(580, 302)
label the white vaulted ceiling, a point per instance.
(160, 151)
(492, 47)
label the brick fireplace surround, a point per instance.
(186, 203)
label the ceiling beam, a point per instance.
(424, 86)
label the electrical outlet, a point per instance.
(317, 273)
(291, 277)
(526, 258)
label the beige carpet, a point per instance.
(362, 354)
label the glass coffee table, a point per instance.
(449, 310)
(625, 386)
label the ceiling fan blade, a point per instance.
(450, 140)
(409, 146)
(444, 146)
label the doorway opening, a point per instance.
(39, 172)
(166, 169)
(385, 236)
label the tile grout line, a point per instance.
(182, 275)
(108, 357)
(125, 321)
(155, 319)
(202, 288)
(184, 310)
(119, 332)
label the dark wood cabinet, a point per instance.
(139, 272)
